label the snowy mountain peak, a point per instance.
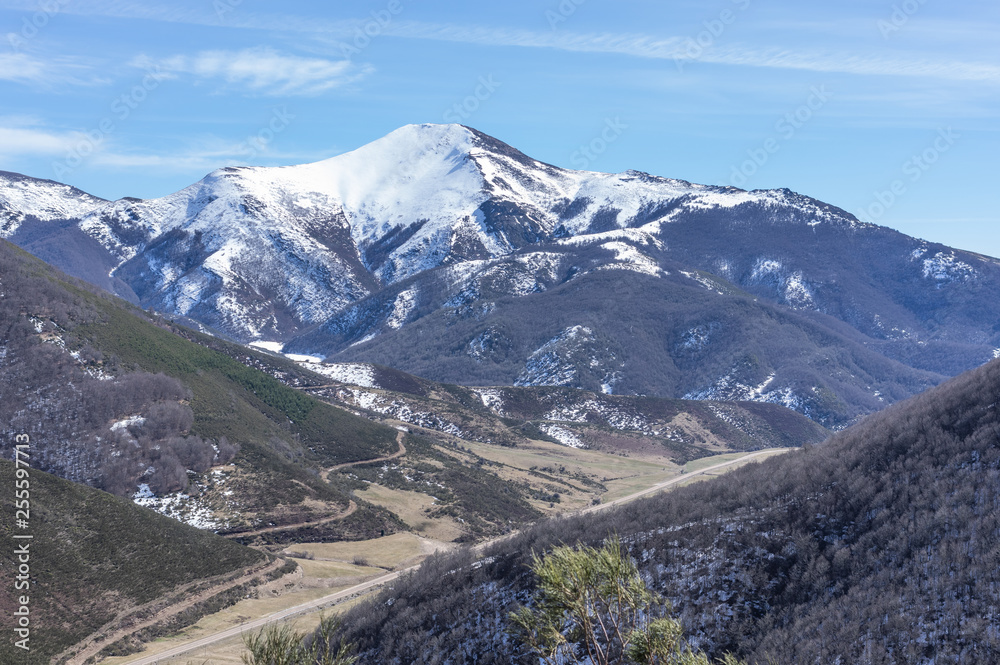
(265, 252)
(44, 200)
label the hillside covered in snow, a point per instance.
(446, 253)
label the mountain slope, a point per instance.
(617, 331)
(440, 224)
(234, 440)
(513, 416)
(114, 399)
(877, 546)
(93, 556)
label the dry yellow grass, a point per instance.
(229, 651)
(333, 561)
(411, 507)
(695, 465)
(395, 551)
(620, 474)
(325, 570)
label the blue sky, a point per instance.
(886, 109)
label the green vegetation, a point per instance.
(592, 606)
(77, 362)
(94, 555)
(280, 645)
(220, 383)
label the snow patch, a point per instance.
(492, 399)
(355, 374)
(125, 423)
(301, 358)
(729, 389)
(549, 364)
(709, 284)
(562, 435)
(628, 257)
(797, 293)
(179, 506)
(764, 268)
(403, 306)
(946, 267)
(273, 347)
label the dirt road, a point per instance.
(96, 642)
(388, 577)
(351, 507)
(399, 453)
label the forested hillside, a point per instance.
(92, 557)
(112, 398)
(879, 546)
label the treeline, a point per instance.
(90, 419)
(879, 546)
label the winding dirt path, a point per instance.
(325, 476)
(351, 507)
(94, 643)
(381, 580)
(399, 453)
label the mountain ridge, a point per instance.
(876, 546)
(328, 256)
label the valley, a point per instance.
(217, 638)
(434, 354)
(272, 452)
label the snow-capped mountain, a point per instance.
(30, 199)
(448, 253)
(260, 252)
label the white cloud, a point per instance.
(34, 142)
(21, 68)
(262, 71)
(669, 48)
(30, 70)
(636, 45)
(204, 154)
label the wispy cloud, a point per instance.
(196, 160)
(52, 73)
(33, 142)
(670, 48)
(336, 32)
(25, 136)
(261, 71)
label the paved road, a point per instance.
(673, 481)
(388, 577)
